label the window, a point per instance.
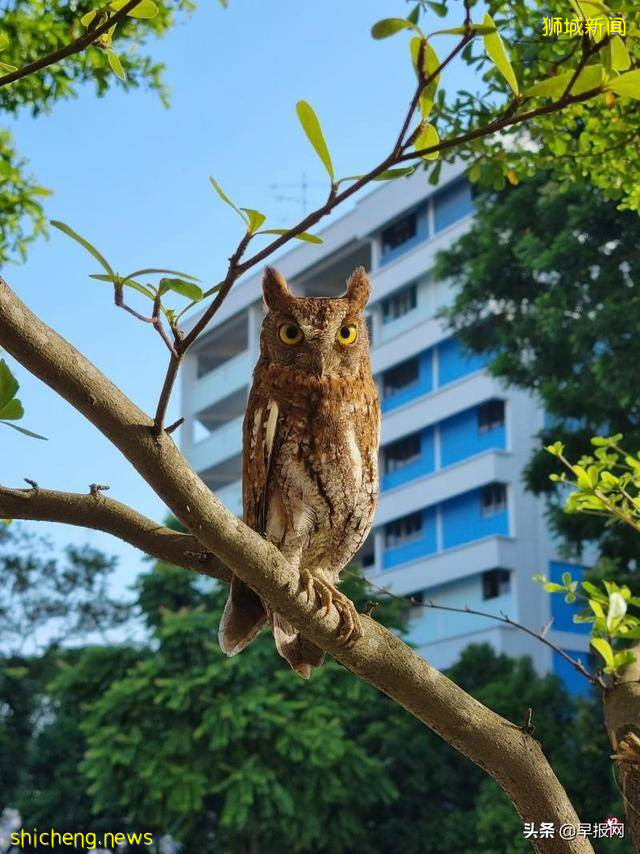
(403, 375)
(400, 232)
(366, 557)
(452, 203)
(399, 304)
(493, 499)
(402, 453)
(495, 582)
(403, 530)
(490, 415)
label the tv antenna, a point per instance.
(295, 192)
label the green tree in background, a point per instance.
(30, 29)
(546, 284)
(236, 755)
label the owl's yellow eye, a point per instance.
(347, 334)
(290, 334)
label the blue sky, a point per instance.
(132, 176)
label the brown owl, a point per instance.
(310, 457)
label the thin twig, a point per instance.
(77, 46)
(500, 618)
(165, 395)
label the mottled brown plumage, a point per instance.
(310, 456)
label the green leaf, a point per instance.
(594, 591)
(552, 587)
(81, 240)
(390, 174)
(590, 78)
(627, 85)
(439, 8)
(566, 578)
(116, 66)
(4, 41)
(620, 59)
(304, 235)
(144, 9)
(556, 449)
(390, 26)
(604, 648)
(185, 289)
(8, 385)
(428, 137)
(24, 431)
(8, 68)
(13, 411)
(16, 672)
(617, 610)
(478, 30)
(255, 219)
(312, 129)
(225, 198)
(495, 49)
(88, 17)
(414, 15)
(596, 607)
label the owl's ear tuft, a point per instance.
(358, 288)
(275, 290)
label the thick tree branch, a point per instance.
(510, 755)
(100, 513)
(73, 47)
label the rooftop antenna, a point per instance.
(295, 192)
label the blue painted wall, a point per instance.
(453, 363)
(460, 437)
(561, 612)
(425, 465)
(422, 233)
(423, 386)
(452, 203)
(420, 547)
(462, 520)
(576, 683)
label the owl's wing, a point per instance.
(259, 436)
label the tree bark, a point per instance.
(622, 719)
(512, 757)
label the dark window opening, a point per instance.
(402, 453)
(495, 582)
(490, 415)
(399, 304)
(400, 232)
(493, 499)
(401, 376)
(403, 530)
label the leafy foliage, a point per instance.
(10, 407)
(45, 600)
(545, 289)
(607, 484)
(173, 736)
(29, 30)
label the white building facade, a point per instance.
(454, 524)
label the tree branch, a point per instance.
(77, 46)
(512, 757)
(100, 513)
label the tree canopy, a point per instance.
(546, 288)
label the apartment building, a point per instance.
(454, 524)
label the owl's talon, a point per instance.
(350, 629)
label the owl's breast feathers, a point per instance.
(310, 473)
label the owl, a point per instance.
(310, 458)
